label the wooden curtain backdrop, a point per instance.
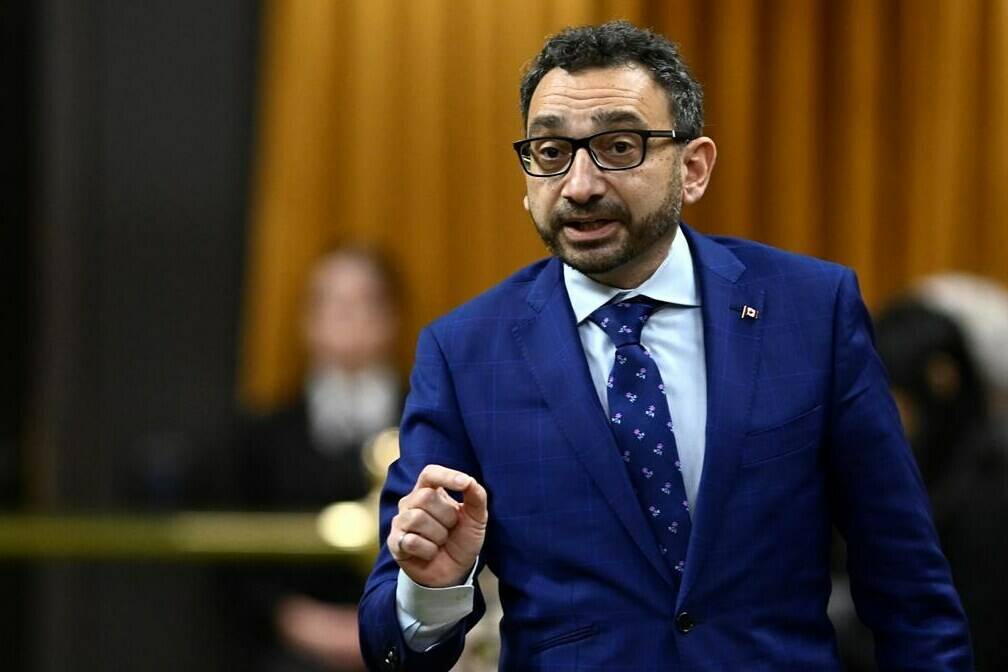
(870, 132)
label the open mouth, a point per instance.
(589, 229)
(588, 225)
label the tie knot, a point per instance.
(624, 321)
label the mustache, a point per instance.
(592, 210)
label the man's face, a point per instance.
(613, 225)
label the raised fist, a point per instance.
(434, 538)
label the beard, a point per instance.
(602, 256)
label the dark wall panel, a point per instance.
(143, 163)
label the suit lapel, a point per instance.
(552, 348)
(731, 345)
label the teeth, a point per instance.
(590, 225)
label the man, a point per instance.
(649, 434)
(308, 454)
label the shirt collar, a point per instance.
(673, 282)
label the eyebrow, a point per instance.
(616, 117)
(550, 123)
(545, 122)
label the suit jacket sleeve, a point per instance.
(900, 581)
(432, 433)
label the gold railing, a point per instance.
(343, 531)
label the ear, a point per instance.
(525, 202)
(698, 159)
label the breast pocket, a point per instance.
(799, 433)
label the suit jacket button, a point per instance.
(391, 660)
(684, 622)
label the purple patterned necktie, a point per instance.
(639, 417)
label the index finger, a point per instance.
(436, 476)
(474, 499)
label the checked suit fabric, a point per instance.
(639, 418)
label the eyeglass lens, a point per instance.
(616, 150)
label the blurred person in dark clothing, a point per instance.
(943, 402)
(979, 306)
(308, 454)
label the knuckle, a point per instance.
(391, 545)
(426, 498)
(448, 516)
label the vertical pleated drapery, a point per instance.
(868, 132)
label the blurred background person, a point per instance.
(979, 306)
(942, 400)
(939, 391)
(308, 454)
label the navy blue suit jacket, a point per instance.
(802, 434)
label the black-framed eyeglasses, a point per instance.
(550, 156)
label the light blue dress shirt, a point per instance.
(674, 336)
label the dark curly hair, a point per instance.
(619, 43)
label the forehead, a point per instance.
(343, 272)
(593, 98)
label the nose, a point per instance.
(584, 181)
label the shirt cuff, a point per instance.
(426, 615)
